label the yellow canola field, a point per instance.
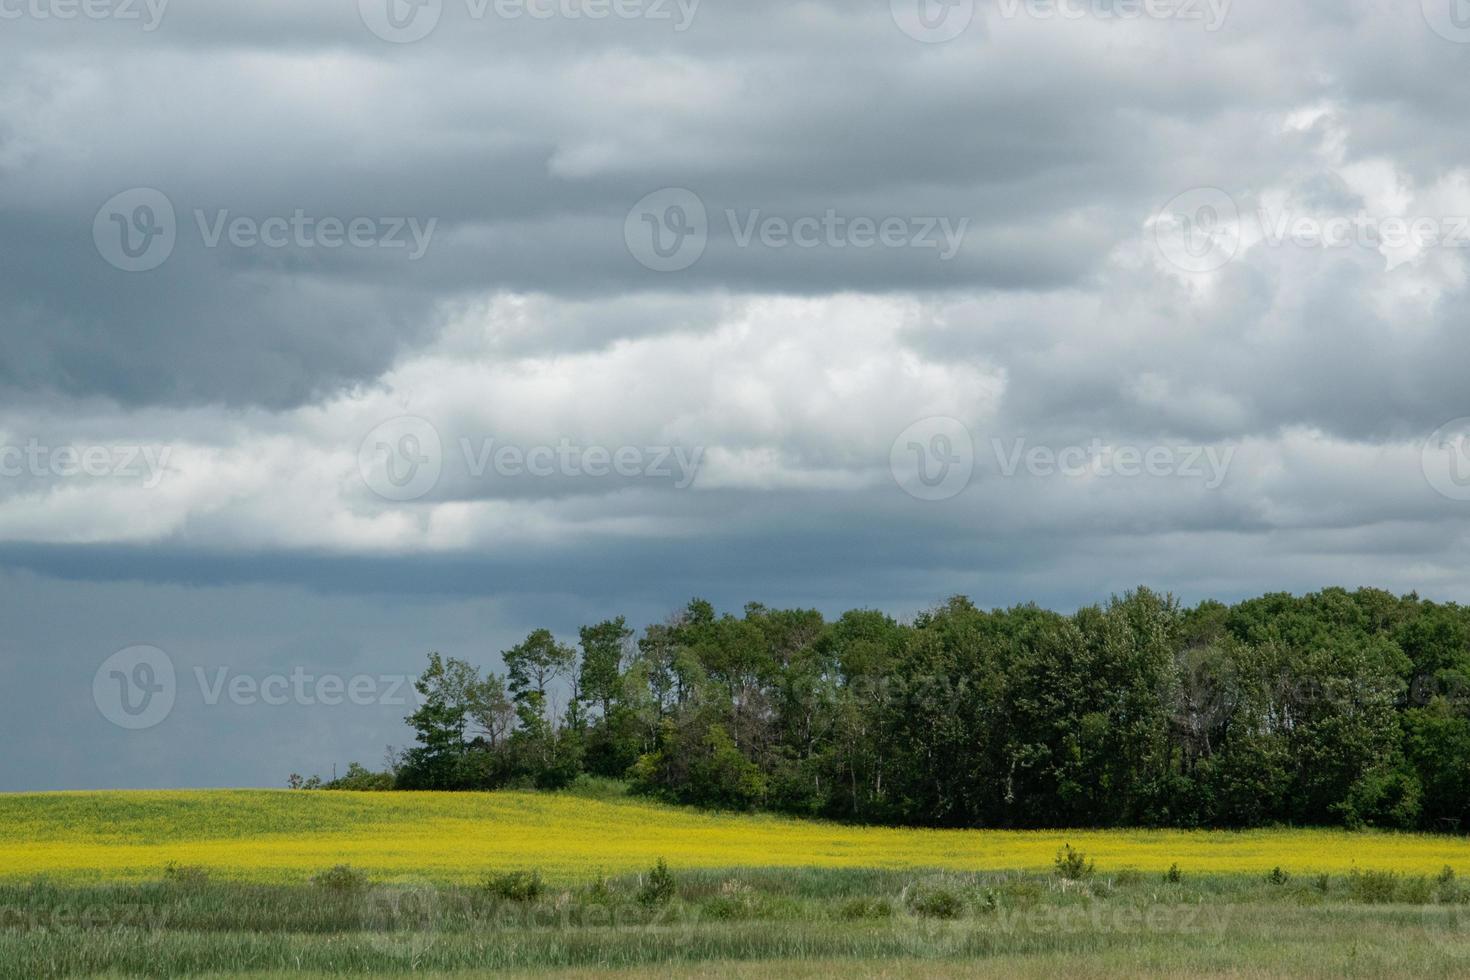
(265, 835)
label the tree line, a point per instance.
(1335, 708)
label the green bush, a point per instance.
(866, 908)
(1374, 887)
(658, 885)
(1072, 864)
(1447, 889)
(342, 879)
(514, 886)
(1277, 876)
(935, 902)
(1174, 876)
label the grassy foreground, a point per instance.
(280, 836)
(85, 891)
(772, 923)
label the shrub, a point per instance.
(1174, 876)
(1324, 882)
(514, 886)
(343, 879)
(866, 908)
(600, 891)
(361, 779)
(1277, 876)
(1072, 864)
(735, 900)
(935, 903)
(658, 885)
(1447, 888)
(1374, 887)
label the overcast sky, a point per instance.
(335, 333)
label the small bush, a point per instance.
(600, 892)
(342, 879)
(1022, 893)
(1374, 887)
(735, 900)
(1447, 889)
(1072, 864)
(935, 903)
(514, 886)
(1174, 876)
(1128, 876)
(658, 885)
(1277, 876)
(866, 908)
(1324, 883)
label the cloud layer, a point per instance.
(547, 316)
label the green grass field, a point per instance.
(863, 902)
